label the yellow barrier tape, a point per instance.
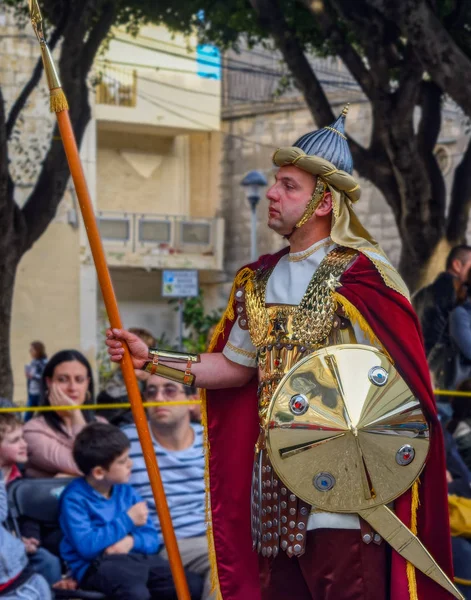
(451, 393)
(15, 409)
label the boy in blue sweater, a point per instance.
(110, 543)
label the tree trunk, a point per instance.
(8, 266)
(422, 274)
(436, 48)
(418, 203)
(424, 244)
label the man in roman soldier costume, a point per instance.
(318, 364)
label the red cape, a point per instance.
(232, 427)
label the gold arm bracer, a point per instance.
(170, 356)
(155, 366)
(171, 373)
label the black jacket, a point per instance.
(433, 305)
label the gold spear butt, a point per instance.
(57, 100)
(401, 538)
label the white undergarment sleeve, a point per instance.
(239, 347)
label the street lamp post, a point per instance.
(252, 184)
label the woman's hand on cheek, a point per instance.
(59, 398)
(53, 396)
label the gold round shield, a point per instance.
(344, 431)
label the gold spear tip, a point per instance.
(35, 11)
(345, 109)
(36, 20)
(58, 101)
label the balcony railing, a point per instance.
(127, 233)
(142, 96)
(116, 86)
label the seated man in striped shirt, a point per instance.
(178, 445)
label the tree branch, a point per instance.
(98, 34)
(377, 37)
(458, 15)
(430, 121)
(407, 93)
(460, 204)
(375, 163)
(3, 140)
(272, 19)
(427, 136)
(7, 203)
(33, 81)
(440, 56)
(347, 53)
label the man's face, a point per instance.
(13, 448)
(159, 389)
(288, 198)
(464, 267)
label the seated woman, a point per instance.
(67, 380)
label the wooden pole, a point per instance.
(59, 105)
(129, 376)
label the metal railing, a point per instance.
(262, 77)
(138, 232)
(116, 86)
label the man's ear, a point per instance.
(456, 265)
(324, 207)
(195, 397)
(192, 398)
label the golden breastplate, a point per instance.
(280, 354)
(285, 334)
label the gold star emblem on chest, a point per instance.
(278, 326)
(332, 282)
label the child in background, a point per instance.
(17, 579)
(110, 543)
(33, 373)
(13, 451)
